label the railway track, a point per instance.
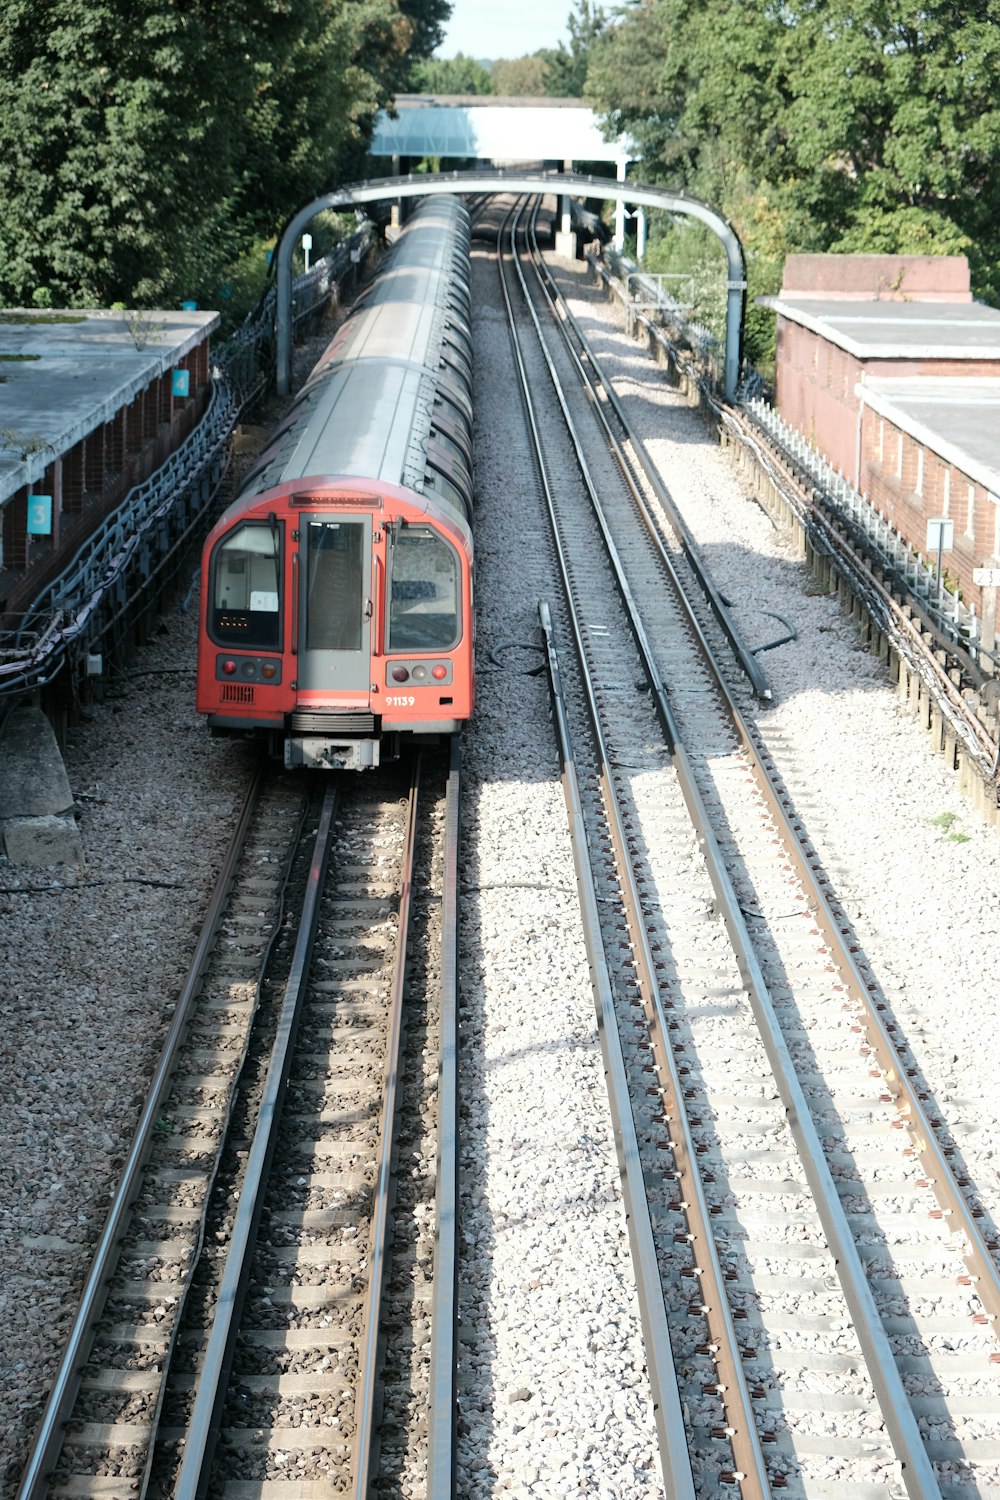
(267, 1313)
(940, 675)
(828, 1289)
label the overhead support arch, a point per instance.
(511, 180)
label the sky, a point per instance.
(505, 28)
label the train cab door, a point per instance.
(335, 603)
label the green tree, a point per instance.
(836, 125)
(102, 137)
(321, 70)
(630, 83)
(427, 21)
(142, 148)
(450, 75)
(519, 77)
(566, 67)
(894, 110)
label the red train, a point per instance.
(336, 606)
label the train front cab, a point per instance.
(338, 629)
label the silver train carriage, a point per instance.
(337, 609)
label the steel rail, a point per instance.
(441, 1478)
(978, 1255)
(366, 1434)
(596, 381)
(202, 1430)
(900, 1421)
(66, 1385)
(751, 1469)
(675, 1458)
(821, 520)
(741, 1427)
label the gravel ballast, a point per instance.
(553, 1391)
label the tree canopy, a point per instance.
(520, 77)
(143, 148)
(556, 72)
(838, 125)
(450, 75)
(566, 67)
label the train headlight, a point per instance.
(439, 672)
(229, 667)
(268, 670)
(419, 674)
(400, 674)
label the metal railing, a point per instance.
(939, 600)
(645, 300)
(646, 291)
(67, 617)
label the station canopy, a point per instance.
(489, 128)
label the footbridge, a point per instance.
(462, 130)
(514, 180)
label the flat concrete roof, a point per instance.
(956, 417)
(896, 330)
(63, 378)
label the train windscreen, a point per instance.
(424, 607)
(245, 599)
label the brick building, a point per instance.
(886, 365)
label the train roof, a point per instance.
(395, 379)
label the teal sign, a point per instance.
(189, 307)
(39, 515)
(181, 385)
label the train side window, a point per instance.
(245, 603)
(424, 591)
(439, 434)
(452, 392)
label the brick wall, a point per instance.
(911, 484)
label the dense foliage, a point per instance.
(834, 125)
(144, 149)
(450, 75)
(566, 67)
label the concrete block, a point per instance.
(33, 780)
(42, 841)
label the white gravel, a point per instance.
(553, 1398)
